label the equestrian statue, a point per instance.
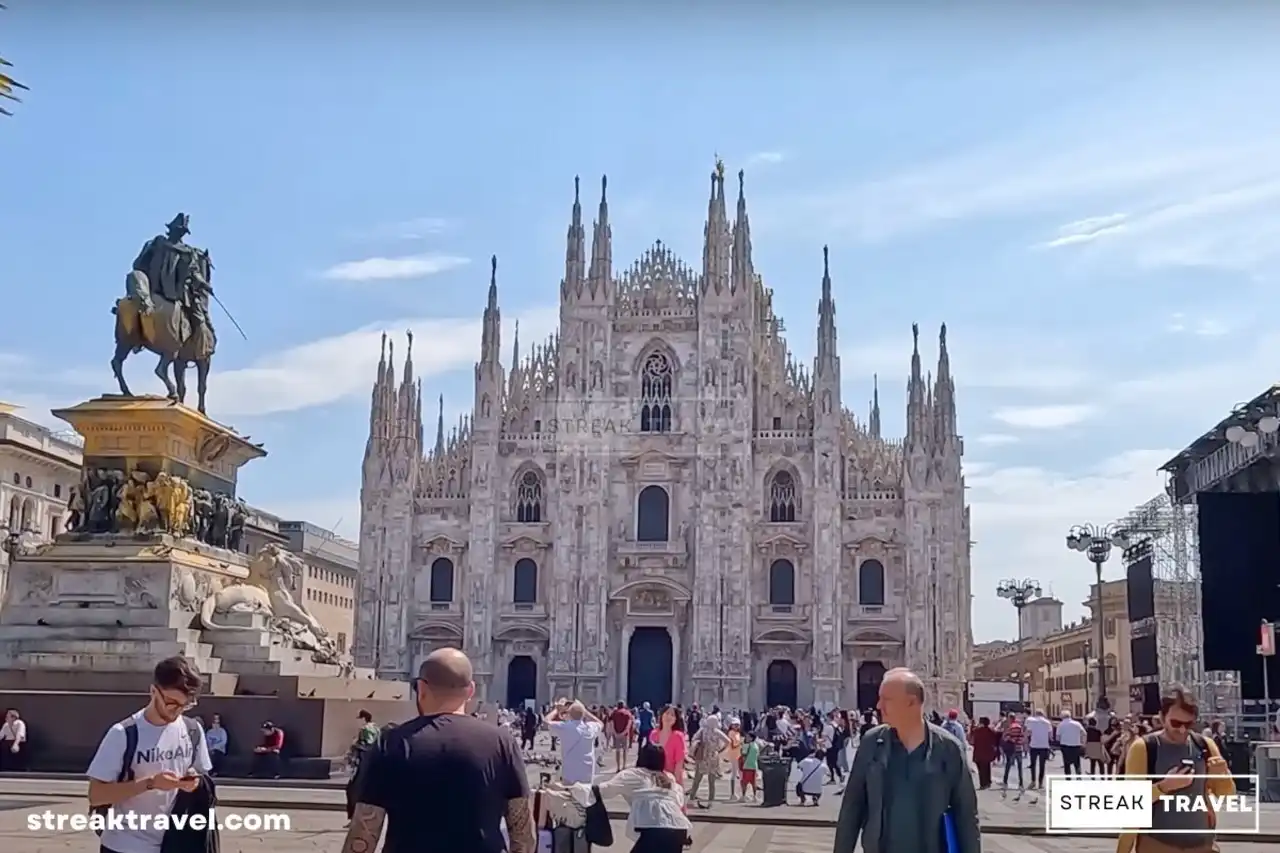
(166, 310)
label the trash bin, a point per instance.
(775, 771)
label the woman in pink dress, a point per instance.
(671, 737)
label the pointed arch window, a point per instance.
(871, 583)
(524, 582)
(529, 498)
(653, 515)
(782, 497)
(441, 586)
(782, 584)
(656, 385)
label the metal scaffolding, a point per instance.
(1169, 531)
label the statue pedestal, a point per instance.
(109, 603)
(154, 435)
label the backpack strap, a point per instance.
(130, 751)
(195, 734)
(1152, 744)
(1198, 740)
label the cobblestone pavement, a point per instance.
(322, 832)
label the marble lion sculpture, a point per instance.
(272, 574)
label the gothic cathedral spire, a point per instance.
(575, 260)
(601, 247)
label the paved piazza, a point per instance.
(323, 831)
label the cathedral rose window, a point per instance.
(529, 498)
(782, 498)
(656, 384)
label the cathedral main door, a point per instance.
(780, 685)
(870, 674)
(649, 667)
(522, 681)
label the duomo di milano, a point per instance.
(660, 504)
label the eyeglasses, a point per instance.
(1178, 724)
(186, 703)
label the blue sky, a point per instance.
(1090, 200)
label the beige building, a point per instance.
(1061, 668)
(38, 468)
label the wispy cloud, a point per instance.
(1044, 417)
(1087, 230)
(343, 366)
(1201, 327)
(418, 228)
(996, 439)
(392, 269)
(766, 158)
(1199, 176)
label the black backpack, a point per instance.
(131, 749)
(1152, 743)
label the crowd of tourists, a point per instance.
(452, 781)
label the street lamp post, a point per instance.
(1096, 542)
(1021, 593)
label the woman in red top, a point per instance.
(986, 746)
(671, 737)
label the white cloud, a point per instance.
(1021, 516)
(1199, 176)
(996, 439)
(410, 229)
(338, 367)
(1044, 417)
(1203, 327)
(1087, 230)
(389, 269)
(1012, 360)
(766, 158)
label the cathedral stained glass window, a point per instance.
(529, 498)
(656, 385)
(782, 497)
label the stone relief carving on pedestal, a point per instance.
(137, 592)
(39, 589)
(191, 588)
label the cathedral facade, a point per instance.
(659, 504)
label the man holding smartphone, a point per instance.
(1178, 754)
(145, 759)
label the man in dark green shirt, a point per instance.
(906, 776)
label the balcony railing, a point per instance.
(871, 613)
(782, 612)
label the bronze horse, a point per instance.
(168, 329)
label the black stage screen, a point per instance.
(1138, 584)
(1240, 572)
(1145, 656)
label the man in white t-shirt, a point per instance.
(168, 754)
(1071, 741)
(577, 730)
(1039, 740)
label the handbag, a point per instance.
(597, 829)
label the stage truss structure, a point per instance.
(1169, 533)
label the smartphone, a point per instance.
(1187, 764)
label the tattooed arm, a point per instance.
(519, 827)
(366, 829)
